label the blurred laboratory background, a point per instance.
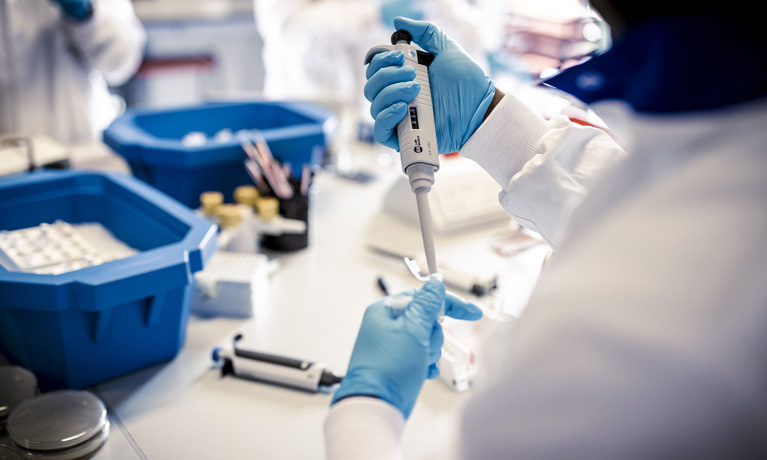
(199, 50)
(195, 49)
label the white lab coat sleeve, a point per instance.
(645, 336)
(545, 167)
(111, 41)
(363, 428)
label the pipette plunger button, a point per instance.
(401, 35)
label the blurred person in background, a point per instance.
(314, 50)
(58, 56)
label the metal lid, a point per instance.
(57, 420)
(9, 453)
(16, 385)
(78, 452)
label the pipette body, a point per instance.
(417, 136)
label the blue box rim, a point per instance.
(135, 144)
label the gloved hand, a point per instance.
(406, 8)
(78, 10)
(394, 354)
(460, 90)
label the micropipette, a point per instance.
(417, 136)
(279, 370)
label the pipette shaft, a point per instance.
(427, 230)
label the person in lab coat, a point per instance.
(646, 335)
(57, 58)
(314, 50)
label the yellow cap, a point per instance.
(229, 215)
(268, 207)
(246, 194)
(211, 201)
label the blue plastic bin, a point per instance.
(82, 327)
(150, 141)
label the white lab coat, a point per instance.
(315, 49)
(54, 72)
(646, 336)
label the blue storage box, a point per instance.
(82, 327)
(151, 142)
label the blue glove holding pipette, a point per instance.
(398, 349)
(460, 90)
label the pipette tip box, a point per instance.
(154, 143)
(234, 284)
(92, 324)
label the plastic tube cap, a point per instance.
(230, 215)
(210, 202)
(268, 207)
(246, 194)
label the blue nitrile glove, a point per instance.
(77, 10)
(460, 90)
(394, 354)
(406, 8)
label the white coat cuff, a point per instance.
(363, 428)
(511, 127)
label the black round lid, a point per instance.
(16, 385)
(401, 35)
(57, 420)
(9, 453)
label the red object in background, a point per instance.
(166, 66)
(578, 121)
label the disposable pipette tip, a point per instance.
(438, 276)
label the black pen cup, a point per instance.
(297, 208)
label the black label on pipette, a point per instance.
(413, 118)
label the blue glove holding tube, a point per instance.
(78, 10)
(395, 353)
(461, 92)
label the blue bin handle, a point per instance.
(149, 273)
(103, 318)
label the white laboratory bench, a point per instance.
(184, 409)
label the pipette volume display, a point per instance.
(417, 136)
